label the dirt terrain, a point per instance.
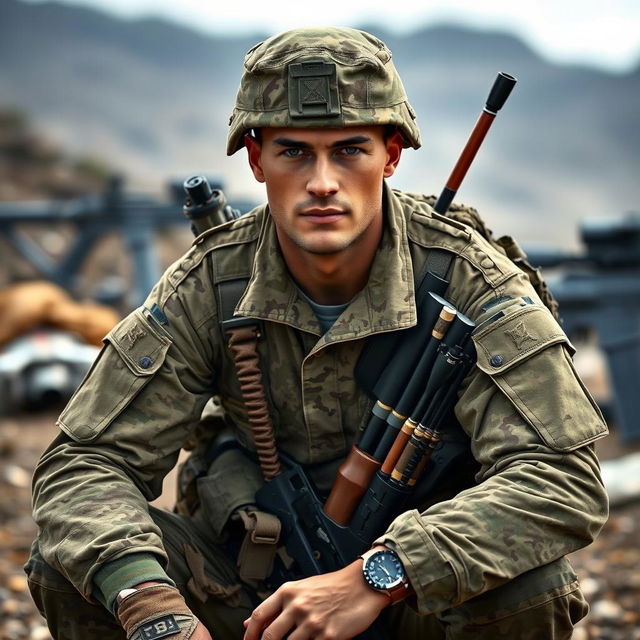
(609, 569)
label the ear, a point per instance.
(254, 151)
(394, 144)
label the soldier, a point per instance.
(328, 262)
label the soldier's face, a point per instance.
(324, 186)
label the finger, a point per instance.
(279, 628)
(303, 633)
(261, 617)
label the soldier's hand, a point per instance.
(159, 611)
(336, 605)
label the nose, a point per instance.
(322, 182)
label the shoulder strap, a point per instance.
(243, 335)
(437, 263)
(228, 294)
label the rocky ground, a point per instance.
(609, 569)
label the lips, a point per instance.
(327, 211)
(323, 215)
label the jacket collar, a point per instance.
(387, 303)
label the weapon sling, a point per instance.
(255, 559)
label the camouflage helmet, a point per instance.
(320, 77)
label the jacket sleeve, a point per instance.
(539, 494)
(122, 431)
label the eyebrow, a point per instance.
(298, 144)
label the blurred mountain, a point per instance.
(154, 99)
(32, 167)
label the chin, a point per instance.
(324, 247)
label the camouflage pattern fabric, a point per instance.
(544, 603)
(531, 421)
(328, 77)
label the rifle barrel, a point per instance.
(498, 95)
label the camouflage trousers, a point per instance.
(542, 604)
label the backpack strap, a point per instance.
(437, 263)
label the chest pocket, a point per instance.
(133, 352)
(527, 355)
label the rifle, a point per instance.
(314, 539)
(204, 206)
(315, 542)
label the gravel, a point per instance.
(609, 569)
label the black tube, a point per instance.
(444, 201)
(500, 91)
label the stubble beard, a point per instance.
(314, 247)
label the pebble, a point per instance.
(607, 611)
(580, 634)
(14, 630)
(40, 633)
(17, 584)
(625, 524)
(16, 476)
(10, 608)
(590, 587)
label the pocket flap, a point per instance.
(132, 353)
(516, 337)
(527, 355)
(140, 346)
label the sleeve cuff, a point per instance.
(126, 572)
(430, 575)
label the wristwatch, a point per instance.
(383, 570)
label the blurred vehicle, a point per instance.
(42, 369)
(599, 290)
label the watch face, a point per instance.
(383, 570)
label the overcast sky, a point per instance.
(604, 33)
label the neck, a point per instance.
(332, 278)
(328, 280)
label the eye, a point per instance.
(350, 151)
(293, 152)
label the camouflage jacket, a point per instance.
(530, 420)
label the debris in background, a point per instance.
(42, 369)
(28, 305)
(621, 478)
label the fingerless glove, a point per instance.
(156, 611)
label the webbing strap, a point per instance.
(229, 293)
(243, 335)
(257, 553)
(258, 550)
(438, 262)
